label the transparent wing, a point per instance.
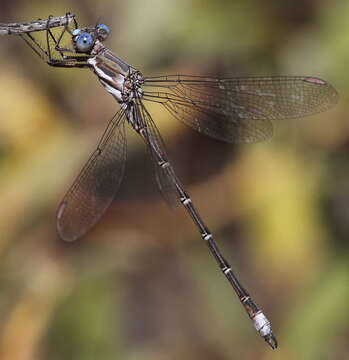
(164, 175)
(97, 183)
(239, 109)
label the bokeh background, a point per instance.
(142, 284)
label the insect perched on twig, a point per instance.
(236, 110)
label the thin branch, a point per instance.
(37, 25)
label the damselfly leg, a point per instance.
(54, 53)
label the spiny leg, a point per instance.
(45, 54)
(35, 46)
(66, 61)
(66, 29)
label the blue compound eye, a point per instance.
(84, 42)
(102, 31)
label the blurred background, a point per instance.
(142, 284)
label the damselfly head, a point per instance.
(85, 39)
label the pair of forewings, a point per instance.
(237, 110)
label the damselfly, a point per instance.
(236, 110)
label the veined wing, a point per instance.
(164, 175)
(239, 109)
(97, 183)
